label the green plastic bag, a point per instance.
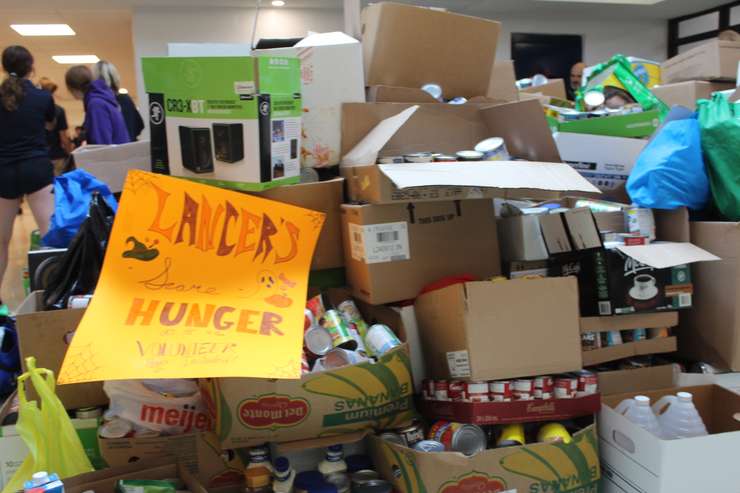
(47, 431)
(719, 121)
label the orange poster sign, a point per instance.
(197, 282)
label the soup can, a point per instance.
(476, 392)
(500, 391)
(380, 339)
(563, 387)
(457, 437)
(441, 390)
(444, 158)
(588, 383)
(493, 149)
(469, 155)
(523, 389)
(456, 390)
(418, 157)
(543, 387)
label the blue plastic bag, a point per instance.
(670, 173)
(72, 194)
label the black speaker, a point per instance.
(42, 265)
(195, 146)
(228, 141)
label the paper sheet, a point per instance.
(662, 255)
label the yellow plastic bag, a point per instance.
(47, 431)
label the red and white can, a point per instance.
(543, 387)
(427, 389)
(564, 387)
(441, 390)
(588, 383)
(500, 391)
(456, 390)
(476, 392)
(523, 389)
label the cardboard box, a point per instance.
(711, 330)
(521, 238)
(331, 74)
(386, 129)
(110, 164)
(635, 460)
(393, 251)
(632, 125)
(554, 88)
(499, 330)
(46, 335)
(392, 94)
(157, 468)
(228, 121)
(712, 60)
(538, 467)
(518, 269)
(503, 81)
(630, 349)
(604, 161)
(636, 379)
(687, 93)
(326, 197)
(360, 397)
(410, 46)
(199, 453)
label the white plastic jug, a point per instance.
(680, 419)
(639, 412)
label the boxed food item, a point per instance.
(331, 74)
(634, 460)
(538, 467)
(394, 129)
(534, 323)
(630, 125)
(393, 251)
(687, 93)
(410, 46)
(359, 397)
(230, 121)
(715, 59)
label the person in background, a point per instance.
(26, 112)
(104, 122)
(576, 78)
(57, 139)
(107, 72)
(79, 137)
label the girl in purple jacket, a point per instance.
(104, 122)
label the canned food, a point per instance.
(523, 389)
(456, 390)
(381, 339)
(553, 433)
(411, 434)
(588, 383)
(389, 436)
(427, 389)
(352, 315)
(116, 428)
(340, 357)
(445, 158)
(318, 341)
(469, 156)
(458, 100)
(493, 149)
(441, 390)
(429, 446)
(434, 90)
(476, 392)
(543, 387)
(79, 301)
(418, 157)
(88, 413)
(339, 331)
(358, 339)
(391, 160)
(500, 391)
(563, 387)
(512, 436)
(363, 476)
(374, 486)
(457, 437)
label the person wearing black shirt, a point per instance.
(57, 138)
(25, 168)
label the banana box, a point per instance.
(366, 396)
(535, 468)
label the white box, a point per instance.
(110, 164)
(520, 238)
(603, 160)
(331, 74)
(635, 461)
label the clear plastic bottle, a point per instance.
(638, 411)
(284, 476)
(334, 461)
(680, 419)
(258, 474)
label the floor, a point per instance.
(12, 288)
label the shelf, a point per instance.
(494, 413)
(655, 320)
(630, 349)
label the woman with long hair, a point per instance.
(26, 112)
(107, 72)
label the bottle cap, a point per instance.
(282, 464)
(642, 400)
(39, 478)
(684, 396)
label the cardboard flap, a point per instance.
(499, 174)
(554, 233)
(366, 151)
(582, 227)
(667, 254)
(326, 39)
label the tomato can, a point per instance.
(543, 387)
(411, 434)
(523, 389)
(500, 391)
(456, 390)
(457, 437)
(339, 330)
(476, 392)
(441, 390)
(380, 339)
(588, 383)
(563, 387)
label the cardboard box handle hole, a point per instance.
(623, 441)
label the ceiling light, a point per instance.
(123, 90)
(43, 29)
(278, 3)
(75, 59)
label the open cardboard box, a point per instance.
(537, 467)
(688, 93)
(251, 411)
(636, 379)
(499, 330)
(635, 460)
(713, 60)
(383, 129)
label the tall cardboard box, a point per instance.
(499, 330)
(393, 251)
(687, 93)
(331, 74)
(411, 46)
(503, 81)
(715, 59)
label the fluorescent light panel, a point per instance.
(43, 29)
(75, 59)
(278, 3)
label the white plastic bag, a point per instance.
(172, 407)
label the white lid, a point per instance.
(642, 400)
(684, 396)
(40, 478)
